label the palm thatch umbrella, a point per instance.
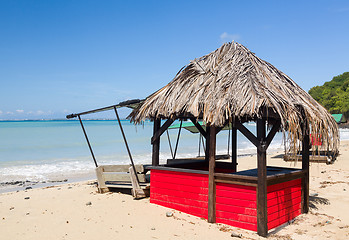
(233, 82)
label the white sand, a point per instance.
(61, 212)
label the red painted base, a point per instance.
(235, 204)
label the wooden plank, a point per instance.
(180, 200)
(137, 191)
(156, 144)
(160, 130)
(236, 202)
(272, 133)
(236, 177)
(102, 188)
(281, 220)
(180, 174)
(236, 182)
(121, 177)
(247, 133)
(234, 148)
(262, 216)
(198, 126)
(312, 158)
(211, 218)
(179, 194)
(237, 217)
(236, 209)
(275, 179)
(236, 195)
(293, 203)
(122, 168)
(243, 225)
(182, 189)
(285, 185)
(236, 188)
(174, 169)
(193, 210)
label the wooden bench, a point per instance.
(123, 176)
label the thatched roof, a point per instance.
(233, 81)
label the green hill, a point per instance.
(334, 95)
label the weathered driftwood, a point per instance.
(233, 82)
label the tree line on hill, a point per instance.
(334, 95)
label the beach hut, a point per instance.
(232, 86)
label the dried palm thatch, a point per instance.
(233, 81)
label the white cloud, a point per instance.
(9, 113)
(39, 112)
(0, 112)
(20, 111)
(227, 37)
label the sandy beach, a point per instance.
(77, 211)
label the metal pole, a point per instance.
(169, 143)
(128, 150)
(179, 133)
(199, 143)
(228, 139)
(88, 142)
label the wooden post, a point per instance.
(207, 139)
(305, 167)
(211, 131)
(156, 144)
(262, 215)
(234, 147)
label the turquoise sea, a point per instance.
(56, 150)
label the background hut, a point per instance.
(231, 86)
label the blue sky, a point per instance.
(59, 57)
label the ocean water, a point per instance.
(56, 150)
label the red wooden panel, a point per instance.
(243, 225)
(188, 195)
(283, 192)
(177, 187)
(184, 175)
(236, 202)
(283, 212)
(236, 195)
(283, 198)
(235, 188)
(236, 209)
(237, 217)
(288, 184)
(195, 182)
(283, 219)
(180, 200)
(193, 210)
(284, 205)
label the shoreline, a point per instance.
(74, 210)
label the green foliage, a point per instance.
(334, 95)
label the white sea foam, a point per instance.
(23, 158)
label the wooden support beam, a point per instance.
(156, 144)
(211, 135)
(272, 133)
(247, 133)
(305, 167)
(161, 130)
(198, 126)
(262, 215)
(234, 146)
